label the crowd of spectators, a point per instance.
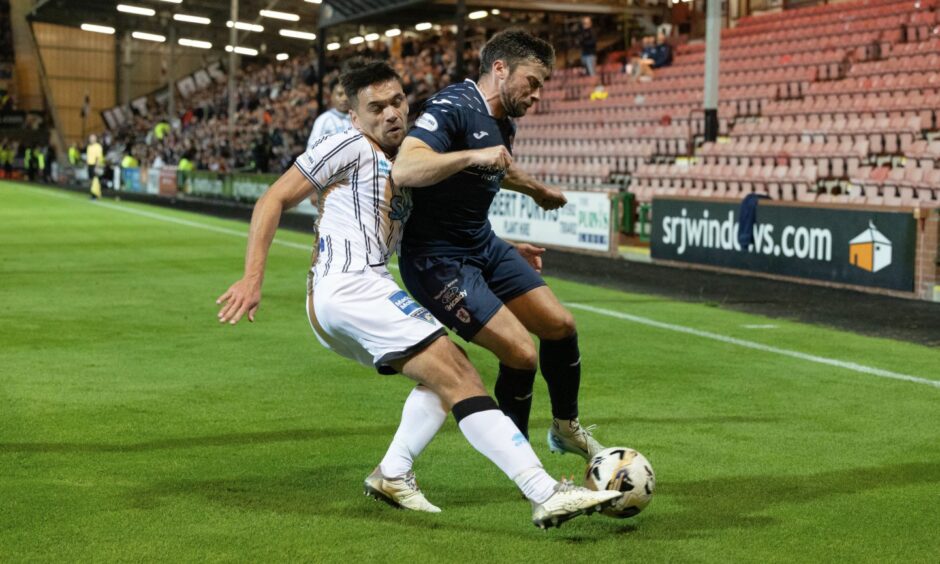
(276, 107)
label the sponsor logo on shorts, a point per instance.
(463, 315)
(403, 301)
(451, 295)
(447, 286)
(409, 307)
(423, 315)
(455, 300)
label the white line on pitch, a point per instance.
(861, 368)
(756, 346)
(170, 219)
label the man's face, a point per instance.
(521, 88)
(338, 99)
(381, 112)
(660, 38)
(586, 23)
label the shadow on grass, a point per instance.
(727, 503)
(233, 439)
(383, 433)
(543, 423)
(706, 507)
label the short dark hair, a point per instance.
(516, 46)
(334, 82)
(359, 74)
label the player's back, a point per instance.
(451, 217)
(361, 212)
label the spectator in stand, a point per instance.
(661, 53)
(641, 68)
(588, 40)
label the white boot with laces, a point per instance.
(402, 492)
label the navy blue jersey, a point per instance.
(451, 217)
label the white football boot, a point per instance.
(568, 502)
(402, 493)
(569, 436)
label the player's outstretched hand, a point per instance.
(494, 158)
(531, 254)
(551, 199)
(242, 297)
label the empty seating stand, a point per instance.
(832, 103)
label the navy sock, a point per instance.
(561, 368)
(514, 393)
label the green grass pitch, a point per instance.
(133, 426)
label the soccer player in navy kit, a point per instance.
(451, 261)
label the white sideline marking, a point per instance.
(764, 326)
(860, 368)
(757, 346)
(169, 219)
(196, 224)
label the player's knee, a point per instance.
(560, 326)
(522, 355)
(458, 379)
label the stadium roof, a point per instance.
(342, 18)
(104, 12)
(336, 12)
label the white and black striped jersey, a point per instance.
(329, 122)
(361, 211)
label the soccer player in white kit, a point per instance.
(357, 310)
(334, 120)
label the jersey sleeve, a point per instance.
(329, 159)
(438, 125)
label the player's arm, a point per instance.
(245, 295)
(418, 165)
(520, 181)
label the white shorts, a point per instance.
(365, 316)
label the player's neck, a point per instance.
(490, 91)
(390, 154)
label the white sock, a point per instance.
(536, 484)
(421, 418)
(498, 438)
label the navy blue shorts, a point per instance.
(465, 291)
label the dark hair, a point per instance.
(359, 74)
(515, 46)
(333, 84)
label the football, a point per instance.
(625, 470)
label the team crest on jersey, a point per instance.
(463, 315)
(409, 307)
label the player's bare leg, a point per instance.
(508, 339)
(445, 370)
(560, 358)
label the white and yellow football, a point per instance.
(624, 470)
